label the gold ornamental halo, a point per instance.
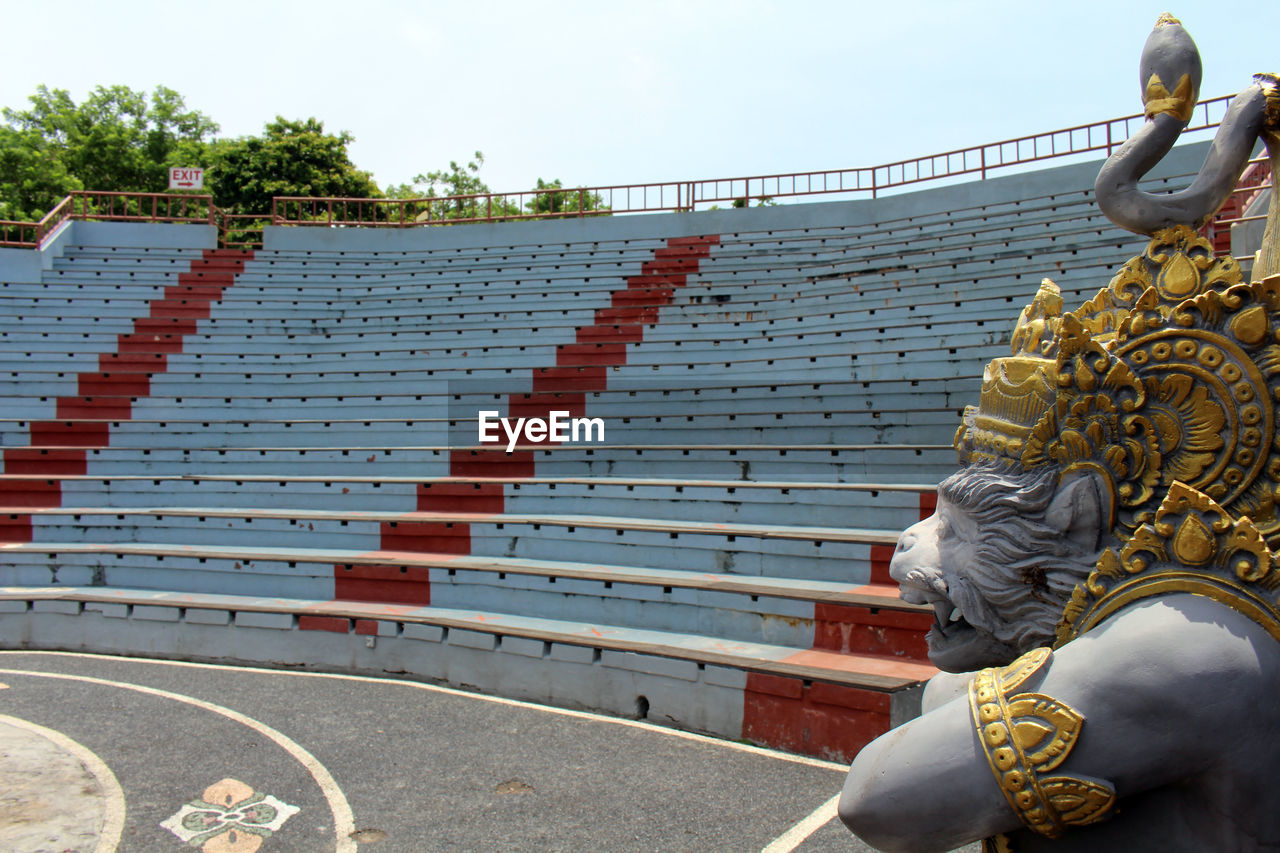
(1192, 546)
(1169, 374)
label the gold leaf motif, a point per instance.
(1080, 801)
(1194, 542)
(1023, 668)
(1046, 729)
(1250, 325)
(1179, 278)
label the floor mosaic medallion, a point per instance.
(230, 817)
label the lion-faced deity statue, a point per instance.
(1107, 551)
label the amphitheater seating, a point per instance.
(287, 439)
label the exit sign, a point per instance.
(186, 179)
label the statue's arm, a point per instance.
(944, 687)
(1154, 684)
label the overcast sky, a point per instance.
(626, 92)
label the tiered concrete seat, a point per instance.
(286, 443)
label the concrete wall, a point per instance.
(26, 265)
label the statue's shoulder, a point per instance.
(1176, 645)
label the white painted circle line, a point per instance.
(450, 691)
(113, 813)
(343, 820)
(795, 836)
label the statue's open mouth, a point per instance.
(954, 643)
(951, 636)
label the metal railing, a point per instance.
(110, 206)
(686, 195)
(1256, 178)
(14, 234)
(240, 230)
(552, 202)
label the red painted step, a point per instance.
(428, 537)
(106, 396)
(381, 583)
(552, 379)
(619, 333)
(42, 460)
(148, 343)
(114, 384)
(70, 434)
(611, 354)
(93, 408)
(827, 720)
(181, 308)
(460, 497)
(36, 494)
(542, 405)
(164, 326)
(118, 362)
(490, 463)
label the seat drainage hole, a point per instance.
(642, 708)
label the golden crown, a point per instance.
(1169, 374)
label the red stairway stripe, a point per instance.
(15, 528)
(824, 721)
(383, 584)
(32, 460)
(860, 630)
(580, 367)
(106, 395)
(36, 494)
(335, 624)
(928, 504)
(881, 556)
(827, 720)
(460, 497)
(430, 537)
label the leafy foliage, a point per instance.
(118, 139)
(292, 158)
(123, 140)
(452, 182)
(568, 203)
(465, 181)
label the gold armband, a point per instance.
(1026, 734)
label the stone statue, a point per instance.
(1109, 550)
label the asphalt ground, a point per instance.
(236, 760)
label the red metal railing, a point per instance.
(111, 206)
(1257, 177)
(240, 230)
(142, 207)
(549, 203)
(18, 234)
(53, 219)
(685, 195)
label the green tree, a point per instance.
(33, 178)
(117, 139)
(455, 184)
(452, 183)
(568, 203)
(291, 158)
